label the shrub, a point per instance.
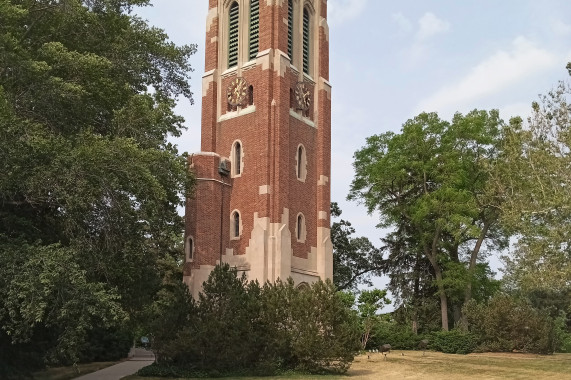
(398, 336)
(106, 345)
(509, 324)
(453, 342)
(240, 327)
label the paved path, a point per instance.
(139, 358)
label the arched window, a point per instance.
(233, 35)
(254, 28)
(301, 163)
(299, 159)
(189, 248)
(235, 231)
(300, 228)
(306, 40)
(290, 29)
(251, 95)
(237, 155)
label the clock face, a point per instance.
(302, 96)
(237, 91)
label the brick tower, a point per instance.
(262, 197)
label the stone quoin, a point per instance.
(262, 196)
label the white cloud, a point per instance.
(341, 11)
(561, 28)
(430, 25)
(404, 23)
(521, 109)
(495, 73)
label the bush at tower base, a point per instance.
(240, 327)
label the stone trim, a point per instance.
(301, 118)
(240, 112)
(323, 180)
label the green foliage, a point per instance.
(506, 324)
(369, 303)
(562, 334)
(431, 183)
(355, 259)
(90, 185)
(398, 336)
(238, 326)
(535, 172)
(453, 342)
(104, 345)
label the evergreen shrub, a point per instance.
(453, 342)
(508, 324)
(239, 327)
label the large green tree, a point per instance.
(431, 183)
(536, 178)
(90, 184)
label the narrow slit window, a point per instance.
(306, 41)
(300, 227)
(251, 95)
(233, 35)
(290, 29)
(236, 218)
(299, 160)
(254, 28)
(237, 157)
(189, 248)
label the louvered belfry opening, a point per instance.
(233, 35)
(290, 29)
(254, 28)
(305, 41)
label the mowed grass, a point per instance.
(438, 366)
(66, 373)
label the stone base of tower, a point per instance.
(268, 253)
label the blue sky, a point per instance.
(391, 60)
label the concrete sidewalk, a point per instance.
(139, 358)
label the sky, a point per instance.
(391, 60)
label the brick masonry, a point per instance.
(270, 132)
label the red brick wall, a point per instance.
(269, 137)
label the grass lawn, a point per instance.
(66, 373)
(438, 366)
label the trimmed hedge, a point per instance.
(453, 342)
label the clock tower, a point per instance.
(262, 196)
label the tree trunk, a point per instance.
(431, 253)
(457, 313)
(472, 269)
(443, 299)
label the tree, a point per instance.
(431, 183)
(369, 303)
(535, 175)
(90, 182)
(411, 281)
(355, 259)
